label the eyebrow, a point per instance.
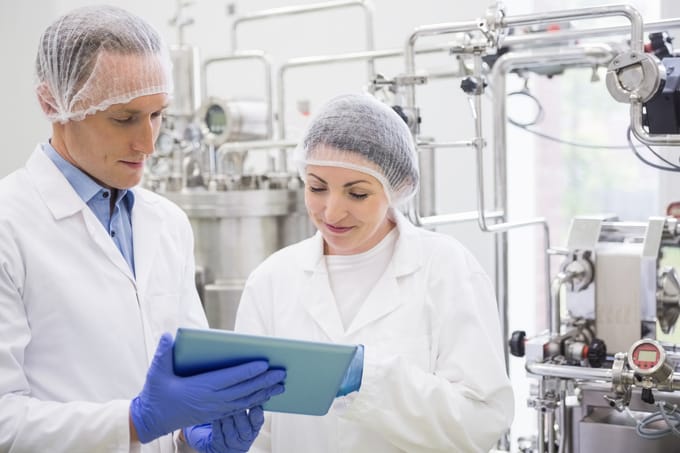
(347, 184)
(136, 111)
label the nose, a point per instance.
(335, 209)
(145, 137)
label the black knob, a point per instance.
(517, 343)
(647, 396)
(597, 353)
(472, 85)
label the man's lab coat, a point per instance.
(434, 376)
(77, 329)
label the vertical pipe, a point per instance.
(426, 192)
(311, 8)
(541, 420)
(550, 426)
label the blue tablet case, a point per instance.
(314, 370)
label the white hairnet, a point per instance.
(358, 132)
(97, 56)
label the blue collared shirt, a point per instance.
(118, 222)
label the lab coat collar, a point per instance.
(408, 254)
(63, 201)
(59, 196)
(384, 298)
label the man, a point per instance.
(94, 272)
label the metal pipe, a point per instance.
(256, 144)
(582, 55)
(428, 30)
(460, 217)
(317, 60)
(328, 59)
(550, 422)
(311, 8)
(530, 19)
(556, 288)
(247, 55)
(563, 420)
(541, 420)
(591, 374)
(569, 372)
(436, 145)
(642, 135)
(550, 38)
(636, 30)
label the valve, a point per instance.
(473, 85)
(597, 353)
(517, 343)
(647, 396)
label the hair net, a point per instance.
(358, 132)
(97, 56)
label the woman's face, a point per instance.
(348, 207)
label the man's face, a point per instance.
(112, 145)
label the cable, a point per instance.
(566, 142)
(539, 108)
(668, 413)
(539, 117)
(671, 167)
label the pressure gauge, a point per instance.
(233, 120)
(648, 358)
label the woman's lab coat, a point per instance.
(434, 377)
(77, 330)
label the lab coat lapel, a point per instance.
(316, 296)
(383, 299)
(386, 296)
(63, 201)
(146, 228)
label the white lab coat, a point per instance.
(77, 330)
(434, 377)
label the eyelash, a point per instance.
(131, 119)
(356, 196)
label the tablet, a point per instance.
(314, 370)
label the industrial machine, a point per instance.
(602, 377)
(238, 217)
(603, 380)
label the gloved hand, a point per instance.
(235, 433)
(168, 402)
(351, 382)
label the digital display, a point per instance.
(647, 356)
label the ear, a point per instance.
(46, 99)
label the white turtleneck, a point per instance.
(352, 277)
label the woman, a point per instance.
(433, 371)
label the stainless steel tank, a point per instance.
(234, 232)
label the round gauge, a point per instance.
(216, 119)
(647, 358)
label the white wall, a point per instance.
(21, 123)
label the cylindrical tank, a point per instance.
(234, 232)
(187, 78)
(233, 120)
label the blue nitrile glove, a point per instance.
(352, 380)
(235, 433)
(168, 402)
